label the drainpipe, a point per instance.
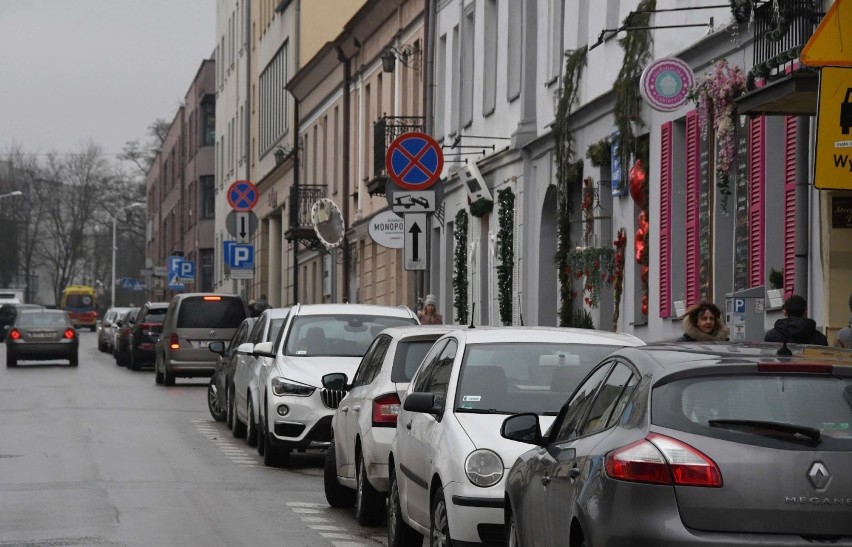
(247, 117)
(347, 100)
(294, 203)
(804, 134)
(430, 12)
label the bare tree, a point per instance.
(142, 156)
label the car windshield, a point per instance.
(201, 313)
(78, 301)
(33, 319)
(509, 378)
(337, 335)
(750, 408)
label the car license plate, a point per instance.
(202, 343)
(41, 335)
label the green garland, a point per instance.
(600, 153)
(481, 207)
(637, 52)
(567, 174)
(595, 265)
(460, 267)
(505, 253)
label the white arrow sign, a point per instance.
(415, 241)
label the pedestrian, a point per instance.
(256, 307)
(703, 323)
(844, 335)
(795, 327)
(429, 315)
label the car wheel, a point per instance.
(133, 362)
(369, 502)
(439, 526)
(337, 495)
(158, 376)
(102, 347)
(400, 534)
(238, 428)
(73, 361)
(251, 427)
(512, 532)
(213, 405)
(11, 361)
(261, 435)
(93, 328)
(168, 377)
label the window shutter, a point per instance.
(756, 184)
(692, 190)
(665, 219)
(790, 127)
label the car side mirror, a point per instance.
(263, 349)
(335, 380)
(217, 347)
(246, 348)
(426, 403)
(523, 428)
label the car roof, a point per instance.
(152, 305)
(418, 330)
(480, 335)
(276, 313)
(29, 311)
(185, 295)
(354, 309)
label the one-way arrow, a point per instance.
(415, 232)
(243, 220)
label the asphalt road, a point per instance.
(100, 455)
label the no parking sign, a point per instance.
(414, 161)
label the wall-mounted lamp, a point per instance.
(408, 55)
(282, 153)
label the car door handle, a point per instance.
(574, 472)
(357, 408)
(344, 409)
(545, 480)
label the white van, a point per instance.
(11, 296)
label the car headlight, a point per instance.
(483, 468)
(280, 386)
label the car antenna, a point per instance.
(472, 311)
(784, 351)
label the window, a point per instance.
(575, 412)
(468, 48)
(514, 48)
(439, 376)
(408, 356)
(273, 100)
(424, 374)
(610, 400)
(205, 274)
(371, 364)
(441, 91)
(557, 9)
(489, 69)
(456, 82)
(207, 207)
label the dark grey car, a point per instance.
(676, 445)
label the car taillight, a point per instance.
(814, 368)
(213, 298)
(662, 460)
(15, 334)
(174, 342)
(69, 334)
(385, 410)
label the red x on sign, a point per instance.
(242, 196)
(414, 161)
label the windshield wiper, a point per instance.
(810, 433)
(483, 411)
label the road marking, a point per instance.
(234, 449)
(328, 528)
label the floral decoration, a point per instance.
(481, 207)
(620, 245)
(587, 206)
(460, 267)
(714, 96)
(505, 253)
(595, 266)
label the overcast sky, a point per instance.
(101, 70)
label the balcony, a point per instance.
(777, 84)
(300, 228)
(385, 130)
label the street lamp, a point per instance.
(114, 219)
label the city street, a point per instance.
(100, 455)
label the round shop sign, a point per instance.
(666, 82)
(388, 230)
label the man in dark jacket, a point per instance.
(795, 327)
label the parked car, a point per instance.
(8, 313)
(121, 345)
(41, 335)
(144, 334)
(217, 400)
(448, 460)
(364, 424)
(106, 328)
(295, 410)
(721, 444)
(192, 321)
(242, 395)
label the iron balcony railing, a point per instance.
(385, 130)
(781, 29)
(302, 198)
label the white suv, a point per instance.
(318, 339)
(356, 463)
(448, 459)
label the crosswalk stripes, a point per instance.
(326, 527)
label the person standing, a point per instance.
(703, 323)
(429, 315)
(795, 327)
(844, 335)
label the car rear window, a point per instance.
(155, 315)
(409, 354)
(197, 313)
(338, 335)
(78, 300)
(36, 319)
(727, 407)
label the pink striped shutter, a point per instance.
(692, 137)
(756, 185)
(665, 219)
(790, 126)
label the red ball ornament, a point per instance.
(644, 275)
(645, 304)
(643, 222)
(637, 180)
(639, 244)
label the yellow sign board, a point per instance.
(833, 165)
(827, 46)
